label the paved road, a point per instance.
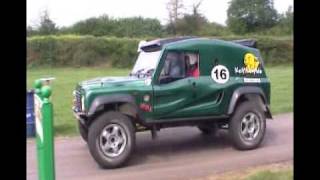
(178, 153)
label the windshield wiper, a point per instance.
(137, 73)
(140, 72)
(149, 71)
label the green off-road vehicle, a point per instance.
(182, 81)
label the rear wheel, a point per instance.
(111, 139)
(247, 126)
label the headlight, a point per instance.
(82, 103)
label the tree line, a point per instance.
(243, 17)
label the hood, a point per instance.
(101, 82)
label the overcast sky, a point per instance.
(67, 12)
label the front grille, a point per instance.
(77, 101)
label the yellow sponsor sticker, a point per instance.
(250, 61)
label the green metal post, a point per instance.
(45, 134)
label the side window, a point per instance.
(173, 68)
(179, 65)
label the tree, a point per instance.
(47, 26)
(191, 24)
(30, 31)
(285, 23)
(287, 17)
(251, 15)
(174, 8)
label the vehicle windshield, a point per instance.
(145, 63)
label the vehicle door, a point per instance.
(176, 95)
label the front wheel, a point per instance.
(247, 126)
(111, 139)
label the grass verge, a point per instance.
(275, 171)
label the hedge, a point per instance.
(76, 51)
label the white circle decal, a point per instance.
(220, 74)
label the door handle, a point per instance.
(192, 83)
(193, 86)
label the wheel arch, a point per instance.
(249, 93)
(123, 103)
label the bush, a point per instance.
(76, 51)
(214, 29)
(274, 50)
(70, 50)
(122, 27)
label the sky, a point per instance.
(67, 12)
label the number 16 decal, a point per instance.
(220, 74)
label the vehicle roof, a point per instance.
(182, 40)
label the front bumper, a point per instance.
(82, 117)
(77, 107)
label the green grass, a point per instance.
(281, 78)
(286, 174)
(62, 87)
(66, 78)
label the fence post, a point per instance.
(44, 131)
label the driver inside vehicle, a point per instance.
(176, 68)
(179, 65)
(192, 65)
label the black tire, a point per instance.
(104, 120)
(208, 129)
(247, 109)
(83, 131)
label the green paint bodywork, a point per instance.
(181, 98)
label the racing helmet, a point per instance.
(193, 59)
